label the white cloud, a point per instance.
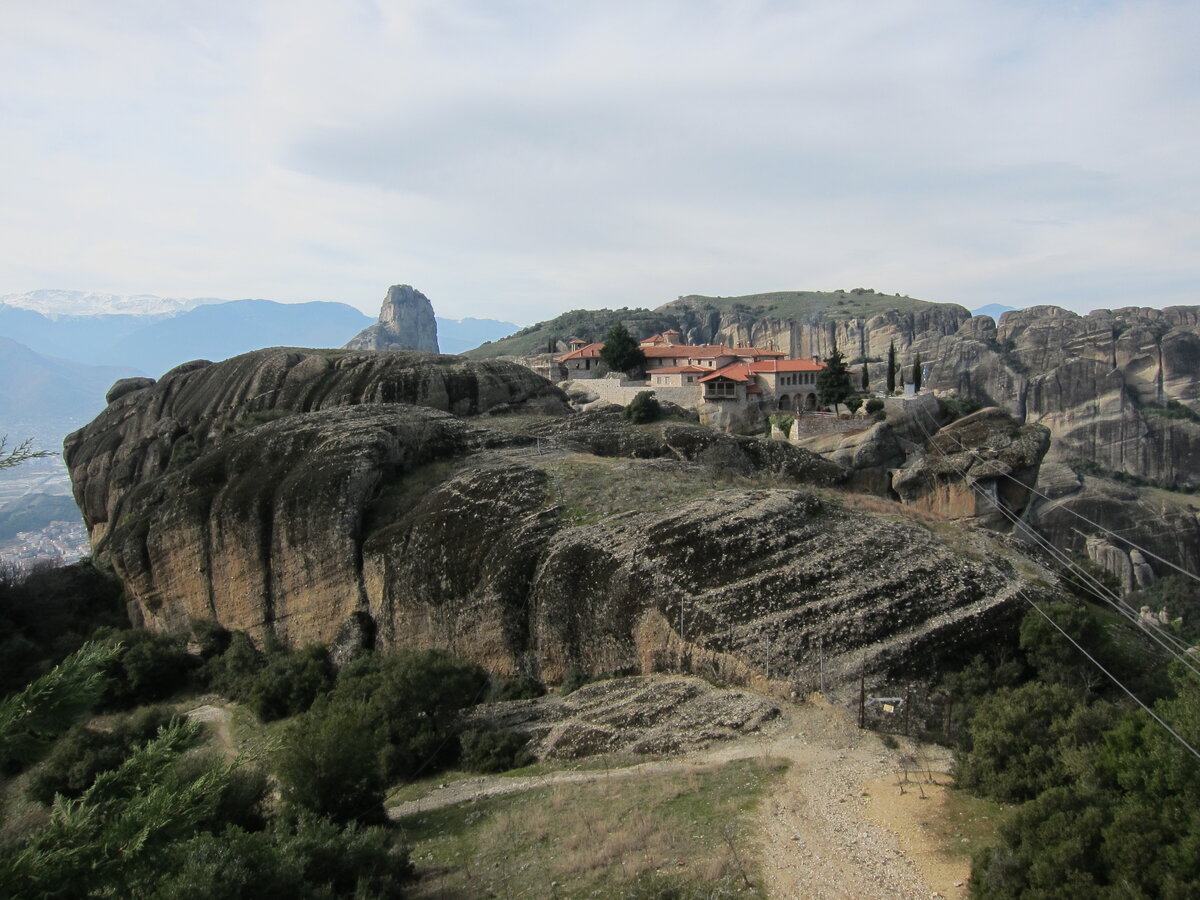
(516, 159)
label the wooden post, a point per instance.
(862, 699)
(821, 662)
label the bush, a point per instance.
(854, 404)
(304, 857)
(150, 668)
(874, 405)
(84, 752)
(290, 682)
(1020, 737)
(413, 701)
(573, 679)
(494, 751)
(953, 408)
(523, 687)
(643, 408)
(329, 763)
(233, 672)
(210, 638)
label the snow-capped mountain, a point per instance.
(91, 303)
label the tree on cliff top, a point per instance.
(833, 382)
(891, 367)
(621, 352)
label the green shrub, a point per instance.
(1020, 738)
(233, 673)
(874, 405)
(854, 404)
(290, 682)
(494, 751)
(643, 408)
(413, 700)
(523, 687)
(329, 763)
(953, 408)
(573, 679)
(303, 857)
(210, 637)
(150, 668)
(84, 752)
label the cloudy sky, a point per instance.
(516, 159)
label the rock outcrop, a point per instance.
(406, 322)
(308, 496)
(982, 467)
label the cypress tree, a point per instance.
(833, 382)
(621, 352)
(917, 374)
(866, 378)
(891, 367)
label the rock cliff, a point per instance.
(295, 493)
(406, 322)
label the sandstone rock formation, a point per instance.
(305, 494)
(982, 467)
(406, 322)
(649, 715)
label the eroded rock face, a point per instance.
(155, 427)
(406, 322)
(343, 518)
(645, 715)
(976, 468)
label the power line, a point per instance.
(974, 487)
(1155, 633)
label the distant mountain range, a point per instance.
(153, 334)
(995, 310)
(92, 303)
(36, 387)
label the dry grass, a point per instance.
(626, 837)
(592, 488)
(965, 823)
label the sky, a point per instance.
(514, 160)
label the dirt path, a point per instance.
(829, 830)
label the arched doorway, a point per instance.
(785, 402)
(810, 402)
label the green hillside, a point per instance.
(588, 324)
(802, 306)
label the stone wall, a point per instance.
(622, 392)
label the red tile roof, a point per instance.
(786, 365)
(677, 370)
(688, 351)
(739, 372)
(591, 351)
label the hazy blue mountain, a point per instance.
(221, 330)
(992, 309)
(461, 335)
(34, 387)
(155, 343)
(85, 339)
